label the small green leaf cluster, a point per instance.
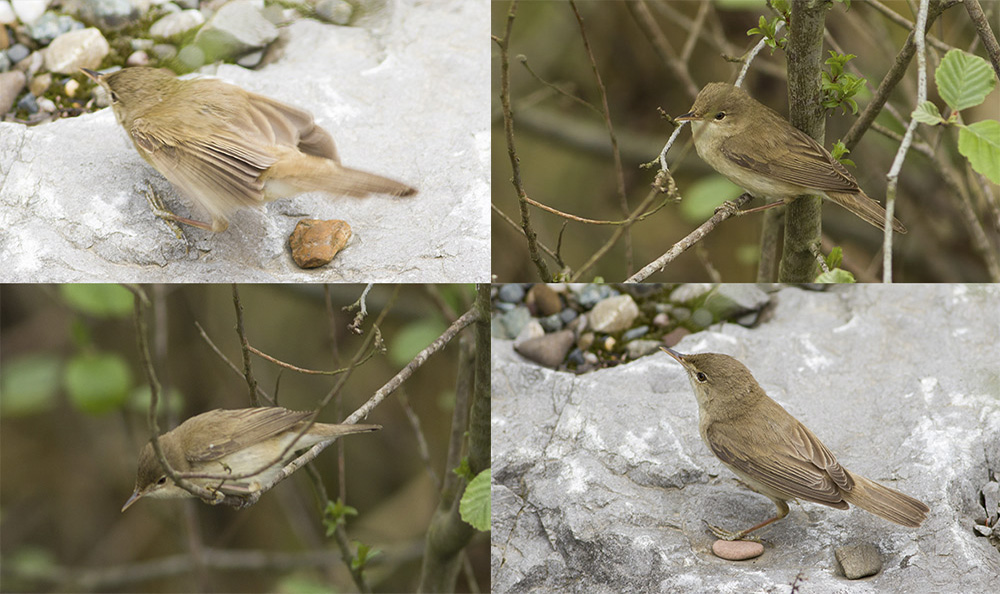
(833, 272)
(769, 30)
(336, 514)
(839, 87)
(839, 150)
(963, 81)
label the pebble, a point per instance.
(690, 292)
(18, 52)
(614, 314)
(543, 300)
(110, 15)
(585, 341)
(11, 84)
(314, 242)
(337, 12)
(511, 293)
(568, 315)
(634, 333)
(549, 350)
(28, 11)
(28, 103)
(589, 295)
(702, 318)
(675, 336)
(737, 550)
(192, 56)
(52, 25)
(236, 29)
(513, 321)
(551, 323)
(661, 320)
(45, 104)
(251, 60)
(531, 330)
(139, 58)
(76, 49)
(40, 84)
(859, 560)
(176, 24)
(164, 51)
(7, 16)
(641, 348)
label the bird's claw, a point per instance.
(723, 534)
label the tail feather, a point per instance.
(866, 208)
(886, 503)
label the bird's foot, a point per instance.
(727, 535)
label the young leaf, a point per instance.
(836, 276)
(927, 113)
(980, 144)
(475, 505)
(964, 80)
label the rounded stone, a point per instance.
(737, 550)
(315, 243)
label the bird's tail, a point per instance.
(297, 172)
(886, 503)
(866, 208)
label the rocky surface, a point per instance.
(601, 481)
(70, 191)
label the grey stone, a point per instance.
(176, 24)
(551, 323)
(28, 11)
(511, 293)
(337, 12)
(108, 15)
(234, 30)
(601, 481)
(71, 208)
(17, 52)
(702, 318)
(75, 50)
(52, 25)
(641, 348)
(568, 315)
(635, 333)
(859, 560)
(589, 295)
(613, 314)
(513, 322)
(690, 292)
(7, 16)
(730, 300)
(28, 103)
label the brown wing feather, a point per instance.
(251, 425)
(796, 159)
(810, 472)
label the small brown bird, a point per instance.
(774, 453)
(759, 151)
(226, 148)
(231, 442)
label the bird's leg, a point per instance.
(730, 207)
(742, 534)
(161, 211)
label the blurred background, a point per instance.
(566, 156)
(73, 418)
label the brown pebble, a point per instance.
(737, 550)
(314, 242)
(549, 350)
(543, 300)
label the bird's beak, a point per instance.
(687, 117)
(94, 76)
(135, 497)
(679, 357)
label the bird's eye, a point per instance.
(720, 116)
(701, 377)
(162, 481)
(114, 97)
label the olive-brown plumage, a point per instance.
(775, 454)
(758, 150)
(226, 148)
(231, 442)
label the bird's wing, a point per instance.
(285, 126)
(218, 169)
(249, 426)
(802, 467)
(800, 161)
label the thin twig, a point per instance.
(244, 348)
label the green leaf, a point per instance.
(705, 195)
(463, 469)
(835, 276)
(102, 301)
(303, 584)
(29, 385)
(475, 505)
(336, 514)
(927, 113)
(980, 144)
(414, 338)
(834, 258)
(97, 382)
(365, 553)
(964, 80)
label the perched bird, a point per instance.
(775, 454)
